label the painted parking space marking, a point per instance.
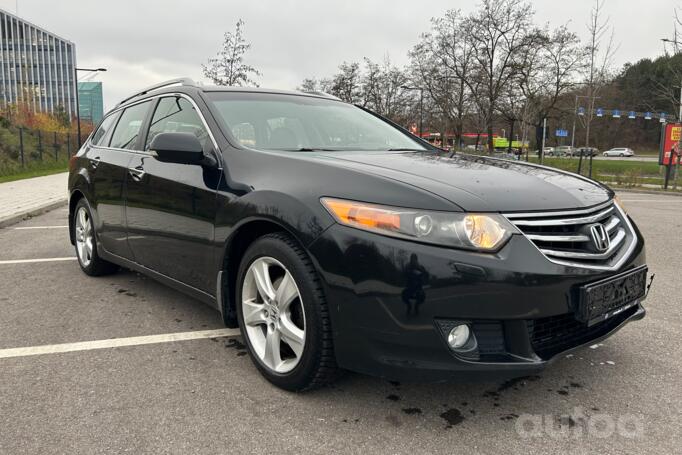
(116, 343)
(30, 261)
(27, 228)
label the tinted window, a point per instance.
(103, 133)
(176, 115)
(128, 127)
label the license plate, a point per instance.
(611, 296)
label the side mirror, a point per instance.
(181, 148)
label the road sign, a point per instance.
(561, 133)
(600, 112)
(581, 111)
(616, 113)
(661, 117)
(632, 114)
(671, 144)
(647, 116)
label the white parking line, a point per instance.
(29, 261)
(26, 228)
(116, 343)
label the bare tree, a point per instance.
(451, 46)
(309, 85)
(501, 35)
(383, 89)
(228, 67)
(601, 50)
(551, 70)
(346, 83)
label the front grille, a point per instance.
(490, 338)
(567, 238)
(554, 334)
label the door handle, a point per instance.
(137, 173)
(94, 162)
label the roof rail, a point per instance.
(179, 81)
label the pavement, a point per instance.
(133, 384)
(29, 197)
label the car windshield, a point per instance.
(302, 123)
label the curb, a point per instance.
(18, 217)
(657, 193)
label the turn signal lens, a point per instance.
(482, 232)
(363, 215)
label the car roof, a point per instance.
(188, 86)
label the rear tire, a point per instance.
(283, 315)
(86, 242)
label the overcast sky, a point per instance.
(142, 42)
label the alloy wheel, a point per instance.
(273, 315)
(84, 237)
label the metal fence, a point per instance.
(23, 148)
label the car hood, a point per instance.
(476, 183)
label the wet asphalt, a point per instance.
(205, 396)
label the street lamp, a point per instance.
(421, 107)
(78, 107)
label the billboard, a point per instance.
(670, 143)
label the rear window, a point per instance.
(103, 133)
(128, 128)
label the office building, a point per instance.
(36, 67)
(91, 101)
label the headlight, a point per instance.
(474, 231)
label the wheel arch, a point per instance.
(243, 235)
(76, 195)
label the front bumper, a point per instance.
(388, 299)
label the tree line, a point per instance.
(497, 69)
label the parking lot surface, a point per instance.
(204, 395)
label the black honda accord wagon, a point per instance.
(336, 240)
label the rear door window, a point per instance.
(128, 128)
(103, 133)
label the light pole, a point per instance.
(78, 106)
(421, 107)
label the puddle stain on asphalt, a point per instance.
(453, 417)
(393, 397)
(516, 382)
(412, 411)
(237, 345)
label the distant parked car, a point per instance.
(587, 151)
(548, 151)
(619, 151)
(565, 150)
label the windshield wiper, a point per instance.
(406, 150)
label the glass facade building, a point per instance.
(91, 101)
(36, 67)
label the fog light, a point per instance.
(459, 336)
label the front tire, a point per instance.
(283, 315)
(86, 243)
